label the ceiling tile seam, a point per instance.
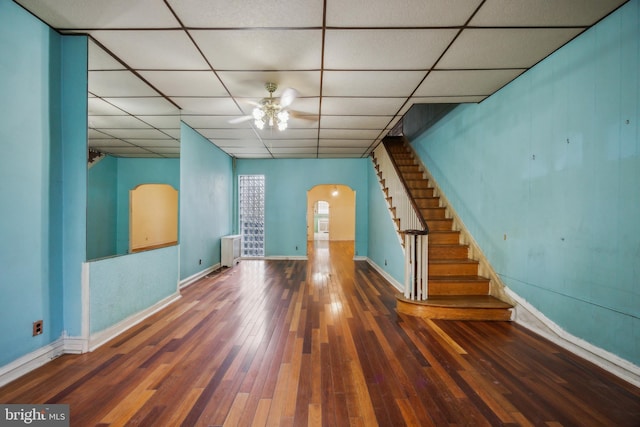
(188, 34)
(322, 50)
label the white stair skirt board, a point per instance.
(532, 319)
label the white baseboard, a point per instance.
(74, 345)
(99, 338)
(399, 286)
(199, 275)
(30, 361)
(532, 319)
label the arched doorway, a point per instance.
(340, 217)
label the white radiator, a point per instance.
(230, 251)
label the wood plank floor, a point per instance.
(318, 342)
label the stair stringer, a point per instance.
(497, 288)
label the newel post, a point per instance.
(416, 264)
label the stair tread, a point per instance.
(461, 301)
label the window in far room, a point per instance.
(251, 210)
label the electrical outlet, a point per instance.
(38, 327)
(199, 262)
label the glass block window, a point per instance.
(251, 209)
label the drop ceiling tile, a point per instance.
(142, 153)
(101, 60)
(303, 121)
(465, 82)
(131, 134)
(249, 13)
(261, 49)
(93, 14)
(147, 106)
(504, 47)
(157, 143)
(252, 155)
(119, 83)
(185, 83)
(100, 107)
(293, 143)
(127, 150)
(444, 100)
(293, 150)
(506, 13)
(233, 144)
(110, 122)
(408, 13)
(354, 122)
(212, 122)
(340, 155)
(100, 143)
(406, 49)
(294, 156)
(368, 134)
(371, 83)
(162, 122)
(172, 133)
(164, 150)
(204, 106)
(341, 143)
(341, 150)
(236, 134)
(246, 150)
(153, 50)
(361, 106)
(267, 134)
(251, 84)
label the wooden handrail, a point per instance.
(387, 142)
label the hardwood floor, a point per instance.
(294, 343)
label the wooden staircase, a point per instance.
(456, 291)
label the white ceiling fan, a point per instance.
(273, 111)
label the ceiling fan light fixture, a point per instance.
(270, 112)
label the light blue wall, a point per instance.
(205, 201)
(123, 286)
(40, 253)
(133, 172)
(384, 246)
(287, 182)
(73, 185)
(110, 181)
(552, 162)
(102, 213)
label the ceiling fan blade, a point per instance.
(288, 96)
(240, 119)
(304, 116)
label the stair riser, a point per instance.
(422, 192)
(412, 175)
(453, 269)
(444, 238)
(440, 225)
(410, 169)
(433, 213)
(448, 252)
(430, 202)
(458, 288)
